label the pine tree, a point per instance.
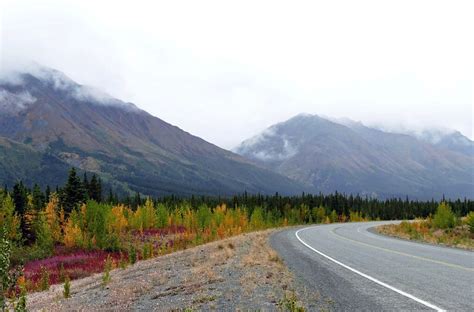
(47, 193)
(38, 198)
(95, 189)
(28, 220)
(111, 198)
(86, 186)
(73, 192)
(19, 195)
(137, 201)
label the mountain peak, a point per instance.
(20, 81)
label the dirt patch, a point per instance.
(237, 274)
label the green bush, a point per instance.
(20, 305)
(470, 221)
(289, 303)
(444, 217)
(5, 250)
(132, 255)
(44, 237)
(162, 216)
(408, 228)
(67, 287)
(44, 281)
(107, 268)
(204, 216)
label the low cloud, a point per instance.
(14, 102)
(59, 81)
(268, 145)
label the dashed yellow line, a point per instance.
(402, 253)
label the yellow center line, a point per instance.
(402, 253)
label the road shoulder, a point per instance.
(239, 273)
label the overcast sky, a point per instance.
(225, 70)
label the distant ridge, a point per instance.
(347, 156)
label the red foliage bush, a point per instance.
(76, 264)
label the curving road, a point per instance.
(355, 269)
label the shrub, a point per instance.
(122, 262)
(132, 255)
(44, 281)
(20, 305)
(290, 303)
(319, 214)
(410, 229)
(444, 218)
(147, 251)
(67, 287)
(256, 219)
(107, 268)
(161, 216)
(44, 236)
(5, 251)
(470, 221)
(204, 216)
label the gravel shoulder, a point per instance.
(237, 274)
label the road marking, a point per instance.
(401, 292)
(400, 253)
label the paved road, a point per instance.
(359, 270)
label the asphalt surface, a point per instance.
(362, 271)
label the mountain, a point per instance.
(352, 158)
(49, 123)
(453, 141)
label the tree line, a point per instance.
(26, 203)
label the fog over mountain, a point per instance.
(202, 68)
(49, 123)
(350, 157)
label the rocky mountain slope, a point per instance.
(350, 157)
(49, 123)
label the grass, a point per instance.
(289, 303)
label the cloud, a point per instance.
(240, 67)
(59, 81)
(268, 145)
(14, 102)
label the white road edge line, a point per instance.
(401, 292)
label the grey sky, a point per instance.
(226, 70)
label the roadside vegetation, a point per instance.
(444, 227)
(74, 231)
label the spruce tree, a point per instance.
(19, 196)
(95, 189)
(73, 192)
(86, 186)
(38, 198)
(47, 193)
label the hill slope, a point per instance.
(353, 158)
(49, 115)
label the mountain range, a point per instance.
(346, 156)
(49, 123)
